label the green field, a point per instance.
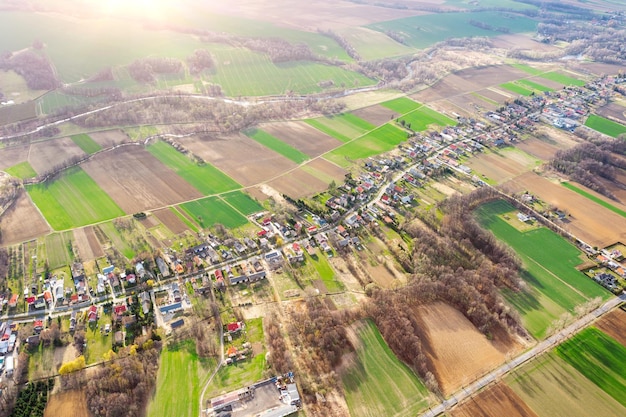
(85, 143)
(516, 89)
(555, 286)
(600, 358)
(181, 378)
(561, 78)
(343, 127)
(371, 44)
(205, 178)
(402, 105)
(527, 69)
(423, 31)
(242, 72)
(377, 383)
(211, 210)
(380, 140)
(117, 240)
(606, 126)
(243, 202)
(423, 117)
(595, 199)
(552, 387)
(277, 145)
(73, 200)
(22, 170)
(533, 85)
(508, 4)
(57, 250)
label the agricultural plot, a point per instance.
(277, 145)
(502, 165)
(303, 137)
(86, 143)
(376, 382)
(606, 126)
(555, 285)
(421, 118)
(44, 156)
(614, 325)
(57, 250)
(380, 140)
(376, 114)
(68, 403)
(242, 202)
(183, 217)
(109, 138)
(402, 105)
(423, 31)
(599, 358)
(615, 110)
(495, 401)
(14, 85)
(12, 155)
(87, 244)
(137, 181)
(22, 170)
(324, 171)
(587, 220)
(211, 210)
(182, 375)
(553, 388)
(170, 220)
(534, 86)
(344, 127)
(243, 159)
(561, 78)
(205, 178)
(518, 89)
(595, 198)
(528, 69)
(118, 240)
(450, 338)
(73, 200)
(298, 183)
(371, 44)
(242, 72)
(18, 112)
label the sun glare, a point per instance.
(150, 9)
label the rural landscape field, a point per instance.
(338, 208)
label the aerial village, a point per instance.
(235, 271)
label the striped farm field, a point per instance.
(212, 210)
(533, 85)
(554, 284)
(421, 118)
(379, 140)
(242, 72)
(86, 143)
(277, 145)
(344, 127)
(73, 200)
(57, 250)
(377, 383)
(561, 78)
(600, 358)
(606, 126)
(205, 178)
(243, 202)
(402, 105)
(516, 89)
(527, 69)
(595, 199)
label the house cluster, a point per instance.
(247, 271)
(607, 280)
(169, 301)
(8, 338)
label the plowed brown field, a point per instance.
(303, 137)
(297, 184)
(171, 221)
(496, 401)
(458, 351)
(13, 155)
(137, 181)
(44, 156)
(109, 138)
(376, 115)
(246, 161)
(614, 324)
(22, 222)
(88, 246)
(596, 225)
(496, 167)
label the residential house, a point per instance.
(92, 314)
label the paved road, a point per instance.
(540, 348)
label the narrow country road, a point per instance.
(540, 348)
